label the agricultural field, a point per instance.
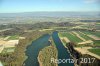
(97, 43)
(84, 36)
(92, 33)
(71, 37)
(83, 39)
(80, 37)
(8, 50)
(8, 43)
(13, 37)
(95, 51)
(10, 37)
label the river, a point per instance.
(33, 50)
(62, 51)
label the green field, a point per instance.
(97, 25)
(92, 33)
(14, 37)
(71, 37)
(96, 33)
(8, 50)
(95, 51)
(84, 36)
(96, 42)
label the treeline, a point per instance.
(87, 59)
(18, 57)
(45, 55)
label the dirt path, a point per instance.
(78, 36)
(71, 33)
(66, 39)
(94, 37)
(82, 33)
(6, 38)
(86, 42)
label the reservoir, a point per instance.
(32, 50)
(62, 51)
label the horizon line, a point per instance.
(48, 11)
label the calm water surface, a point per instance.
(62, 51)
(33, 50)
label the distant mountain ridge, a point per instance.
(51, 14)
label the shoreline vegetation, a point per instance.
(72, 52)
(47, 53)
(18, 57)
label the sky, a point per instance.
(14, 6)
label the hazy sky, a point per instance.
(12, 6)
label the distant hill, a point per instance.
(34, 17)
(51, 14)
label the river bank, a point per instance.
(62, 51)
(64, 42)
(33, 49)
(45, 56)
(18, 57)
(75, 54)
(47, 53)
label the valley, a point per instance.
(31, 43)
